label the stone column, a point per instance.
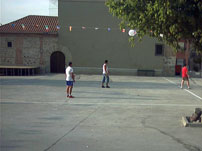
(41, 53)
(19, 47)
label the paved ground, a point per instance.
(135, 114)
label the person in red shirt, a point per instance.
(185, 76)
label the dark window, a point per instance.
(159, 50)
(9, 44)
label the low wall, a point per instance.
(113, 71)
(195, 74)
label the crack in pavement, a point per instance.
(71, 130)
(189, 147)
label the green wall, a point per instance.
(90, 47)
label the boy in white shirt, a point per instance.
(105, 75)
(69, 80)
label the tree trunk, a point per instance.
(187, 52)
(201, 68)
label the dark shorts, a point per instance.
(69, 83)
(185, 78)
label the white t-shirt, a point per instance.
(104, 72)
(68, 72)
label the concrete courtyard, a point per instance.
(135, 114)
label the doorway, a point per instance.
(57, 62)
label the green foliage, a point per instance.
(176, 19)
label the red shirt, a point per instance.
(184, 72)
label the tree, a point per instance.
(170, 21)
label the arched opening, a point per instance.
(57, 62)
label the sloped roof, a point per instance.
(32, 24)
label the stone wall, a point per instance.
(30, 50)
(7, 55)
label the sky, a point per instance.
(11, 10)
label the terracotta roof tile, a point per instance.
(32, 24)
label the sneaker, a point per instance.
(189, 88)
(71, 96)
(107, 86)
(103, 86)
(181, 87)
(67, 96)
